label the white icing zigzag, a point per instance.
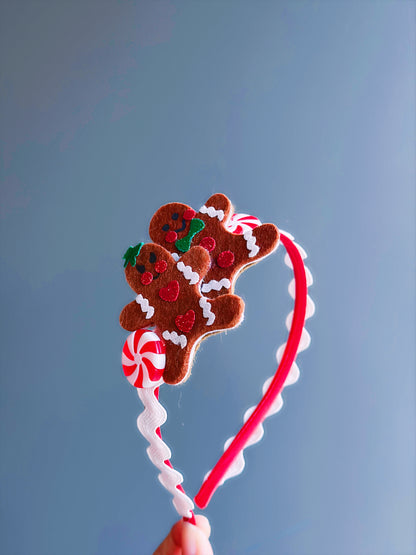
(175, 338)
(175, 256)
(206, 310)
(238, 465)
(190, 275)
(216, 285)
(145, 306)
(251, 243)
(212, 212)
(154, 416)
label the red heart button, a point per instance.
(185, 322)
(171, 292)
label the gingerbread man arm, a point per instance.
(137, 314)
(266, 239)
(197, 260)
(217, 206)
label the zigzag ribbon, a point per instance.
(148, 423)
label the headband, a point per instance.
(184, 282)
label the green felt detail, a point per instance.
(131, 254)
(195, 227)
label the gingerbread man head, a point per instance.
(169, 298)
(177, 227)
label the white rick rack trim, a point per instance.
(251, 243)
(238, 465)
(212, 212)
(145, 306)
(206, 311)
(175, 338)
(175, 256)
(189, 274)
(215, 285)
(152, 418)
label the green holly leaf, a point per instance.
(131, 254)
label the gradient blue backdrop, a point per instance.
(303, 113)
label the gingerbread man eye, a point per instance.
(165, 227)
(175, 216)
(140, 268)
(152, 258)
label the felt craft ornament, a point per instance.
(234, 242)
(171, 316)
(172, 301)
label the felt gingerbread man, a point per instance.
(177, 227)
(169, 297)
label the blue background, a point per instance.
(303, 113)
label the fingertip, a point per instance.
(176, 533)
(172, 543)
(203, 524)
(194, 541)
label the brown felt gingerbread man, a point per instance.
(177, 227)
(169, 297)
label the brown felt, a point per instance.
(266, 235)
(228, 309)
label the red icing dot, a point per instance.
(208, 243)
(171, 236)
(161, 266)
(225, 259)
(189, 214)
(146, 278)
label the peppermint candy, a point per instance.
(240, 223)
(144, 359)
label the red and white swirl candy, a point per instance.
(144, 359)
(240, 223)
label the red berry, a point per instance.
(208, 243)
(161, 266)
(225, 259)
(189, 214)
(146, 278)
(171, 236)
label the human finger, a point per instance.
(194, 541)
(172, 543)
(203, 523)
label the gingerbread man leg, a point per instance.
(225, 312)
(177, 363)
(228, 311)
